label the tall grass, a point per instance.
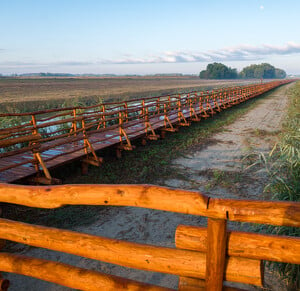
(283, 167)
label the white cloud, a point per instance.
(238, 53)
(241, 52)
(261, 7)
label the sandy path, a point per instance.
(223, 152)
(222, 157)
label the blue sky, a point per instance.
(145, 37)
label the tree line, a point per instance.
(261, 71)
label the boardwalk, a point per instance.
(37, 142)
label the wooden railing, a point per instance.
(32, 134)
(203, 258)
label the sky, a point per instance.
(147, 37)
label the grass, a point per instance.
(220, 178)
(283, 167)
(262, 133)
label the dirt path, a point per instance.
(214, 169)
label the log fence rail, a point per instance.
(204, 258)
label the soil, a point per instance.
(215, 168)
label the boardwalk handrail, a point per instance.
(200, 253)
(83, 130)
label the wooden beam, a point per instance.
(69, 276)
(216, 254)
(21, 139)
(133, 255)
(155, 197)
(243, 244)
(38, 157)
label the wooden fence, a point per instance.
(203, 258)
(35, 142)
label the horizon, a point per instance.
(142, 38)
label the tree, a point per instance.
(218, 71)
(262, 71)
(280, 74)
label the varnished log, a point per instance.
(141, 256)
(38, 158)
(155, 197)
(92, 161)
(243, 244)
(21, 139)
(216, 254)
(256, 211)
(69, 276)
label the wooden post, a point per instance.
(94, 159)
(158, 106)
(165, 115)
(34, 131)
(179, 109)
(4, 284)
(84, 168)
(120, 126)
(38, 157)
(84, 136)
(33, 121)
(74, 126)
(103, 116)
(215, 257)
(126, 111)
(143, 109)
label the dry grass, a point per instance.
(44, 89)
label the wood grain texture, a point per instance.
(68, 275)
(155, 197)
(147, 196)
(257, 211)
(216, 254)
(21, 139)
(141, 256)
(243, 244)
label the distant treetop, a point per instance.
(218, 71)
(262, 71)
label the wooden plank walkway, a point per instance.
(70, 134)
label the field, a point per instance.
(26, 94)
